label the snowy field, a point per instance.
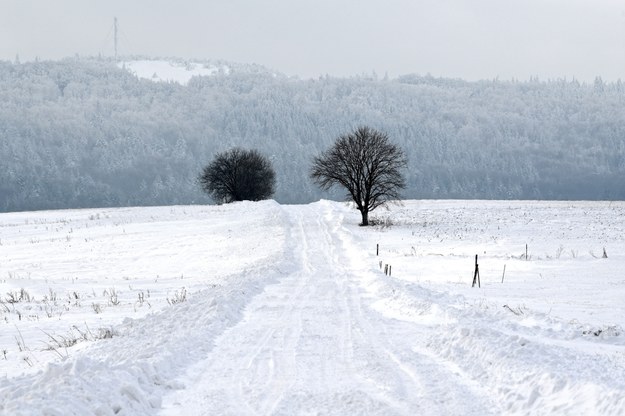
(260, 308)
(169, 71)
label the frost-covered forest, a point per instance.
(83, 132)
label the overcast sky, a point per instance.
(470, 39)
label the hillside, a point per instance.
(262, 308)
(91, 133)
(168, 71)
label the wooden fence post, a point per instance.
(476, 275)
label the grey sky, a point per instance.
(471, 39)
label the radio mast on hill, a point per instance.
(115, 36)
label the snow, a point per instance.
(170, 71)
(261, 308)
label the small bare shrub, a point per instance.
(21, 345)
(27, 360)
(518, 311)
(21, 296)
(51, 296)
(4, 306)
(12, 297)
(48, 310)
(60, 342)
(141, 300)
(113, 299)
(84, 335)
(106, 333)
(178, 297)
(382, 222)
(102, 333)
(96, 307)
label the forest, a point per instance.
(83, 132)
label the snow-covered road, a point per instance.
(312, 344)
(288, 312)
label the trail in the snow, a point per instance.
(288, 312)
(312, 344)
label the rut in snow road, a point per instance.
(311, 344)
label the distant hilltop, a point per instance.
(181, 70)
(171, 71)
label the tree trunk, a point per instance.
(365, 217)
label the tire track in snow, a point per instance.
(441, 387)
(311, 344)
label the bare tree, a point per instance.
(238, 175)
(366, 164)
